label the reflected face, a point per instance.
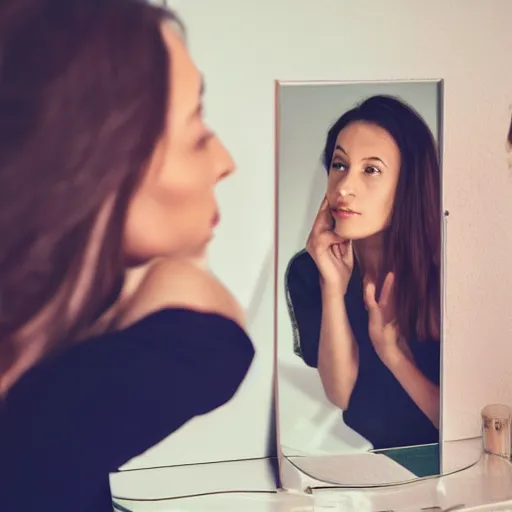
(363, 178)
(174, 211)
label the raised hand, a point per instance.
(382, 326)
(332, 254)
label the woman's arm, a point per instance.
(396, 354)
(338, 355)
(323, 331)
(422, 391)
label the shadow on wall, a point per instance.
(259, 308)
(263, 287)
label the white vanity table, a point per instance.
(485, 486)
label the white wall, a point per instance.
(242, 47)
(308, 422)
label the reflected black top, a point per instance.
(72, 420)
(379, 409)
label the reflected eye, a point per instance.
(371, 170)
(339, 166)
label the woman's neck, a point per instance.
(369, 254)
(120, 300)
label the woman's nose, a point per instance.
(346, 186)
(346, 193)
(225, 165)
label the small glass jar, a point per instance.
(496, 430)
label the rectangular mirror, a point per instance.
(359, 278)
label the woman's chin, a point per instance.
(352, 233)
(347, 234)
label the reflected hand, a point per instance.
(382, 325)
(332, 254)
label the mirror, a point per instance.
(359, 279)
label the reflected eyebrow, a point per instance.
(375, 158)
(339, 148)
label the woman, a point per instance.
(112, 336)
(365, 295)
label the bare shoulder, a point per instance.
(173, 284)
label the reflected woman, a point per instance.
(364, 297)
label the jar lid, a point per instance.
(497, 411)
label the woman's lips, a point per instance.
(216, 219)
(344, 214)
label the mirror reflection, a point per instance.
(359, 271)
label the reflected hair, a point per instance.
(413, 239)
(83, 99)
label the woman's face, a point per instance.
(174, 212)
(362, 180)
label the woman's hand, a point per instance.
(395, 353)
(333, 256)
(382, 325)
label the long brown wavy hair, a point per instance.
(83, 97)
(413, 240)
